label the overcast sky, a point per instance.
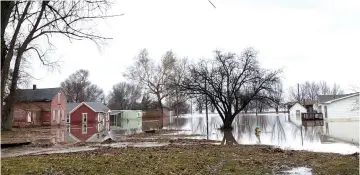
(311, 40)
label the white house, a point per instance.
(295, 113)
(319, 106)
(343, 107)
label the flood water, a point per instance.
(276, 130)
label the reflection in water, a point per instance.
(275, 130)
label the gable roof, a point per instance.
(37, 95)
(71, 106)
(295, 104)
(95, 106)
(344, 97)
(325, 98)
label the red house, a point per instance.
(88, 113)
(36, 107)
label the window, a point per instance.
(99, 117)
(53, 115)
(84, 118)
(59, 95)
(107, 117)
(28, 116)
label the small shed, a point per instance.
(295, 113)
(117, 115)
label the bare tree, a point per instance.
(336, 90)
(177, 97)
(230, 82)
(77, 88)
(146, 102)
(297, 93)
(154, 77)
(276, 96)
(200, 102)
(124, 96)
(324, 88)
(312, 90)
(37, 21)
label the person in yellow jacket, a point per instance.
(257, 133)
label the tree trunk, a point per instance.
(9, 107)
(227, 122)
(229, 139)
(161, 109)
(6, 9)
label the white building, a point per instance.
(339, 108)
(295, 112)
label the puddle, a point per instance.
(137, 145)
(299, 171)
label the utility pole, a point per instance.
(298, 87)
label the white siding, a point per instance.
(131, 114)
(342, 108)
(292, 113)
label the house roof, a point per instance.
(37, 95)
(295, 104)
(325, 98)
(71, 106)
(344, 97)
(95, 106)
(302, 103)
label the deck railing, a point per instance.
(312, 116)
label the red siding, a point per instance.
(55, 105)
(41, 112)
(76, 116)
(36, 108)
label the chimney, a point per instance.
(34, 86)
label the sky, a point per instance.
(311, 40)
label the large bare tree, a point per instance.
(154, 77)
(230, 81)
(124, 96)
(33, 22)
(78, 88)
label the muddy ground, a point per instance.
(182, 159)
(178, 156)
